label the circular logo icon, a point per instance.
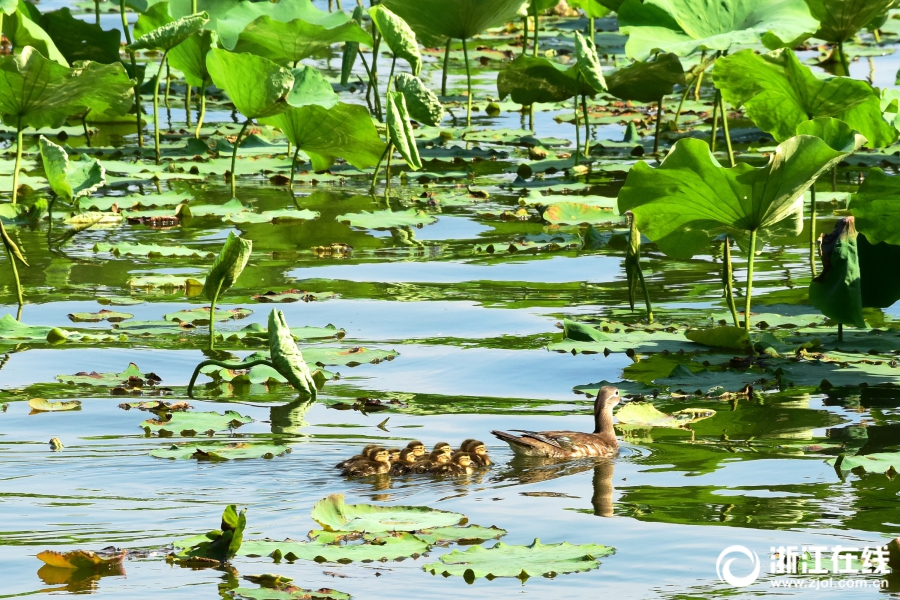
(723, 566)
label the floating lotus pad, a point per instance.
(108, 379)
(217, 452)
(373, 547)
(198, 422)
(201, 315)
(44, 405)
(386, 219)
(644, 414)
(334, 514)
(877, 462)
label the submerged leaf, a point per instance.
(197, 422)
(394, 546)
(220, 452)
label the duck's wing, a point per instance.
(564, 440)
(538, 443)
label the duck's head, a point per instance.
(443, 447)
(380, 455)
(463, 459)
(407, 456)
(476, 447)
(607, 398)
(417, 447)
(464, 447)
(438, 456)
(394, 453)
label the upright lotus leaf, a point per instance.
(779, 93)
(169, 35)
(528, 79)
(401, 130)
(535, 559)
(70, 181)
(310, 87)
(351, 50)
(398, 36)
(286, 357)
(221, 544)
(153, 18)
(837, 291)
(333, 514)
(592, 9)
(839, 20)
(345, 131)
(257, 86)
(455, 19)
(690, 198)
(647, 80)
(292, 41)
(879, 270)
(79, 40)
(686, 26)
(189, 57)
(421, 102)
(23, 31)
(587, 65)
(876, 207)
(224, 272)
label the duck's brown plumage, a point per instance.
(572, 444)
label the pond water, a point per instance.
(471, 328)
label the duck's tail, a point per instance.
(522, 446)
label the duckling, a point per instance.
(417, 447)
(465, 445)
(395, 454)
(460, 464)
(378, 464)
(478, 452)
(425, 465)
(364, 455)
(443, 447)
(405, 463)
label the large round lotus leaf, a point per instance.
(458, 19)
(198, 421)
(521, 561)
(218, 452)
(779, 93)
(385, 219)
(686, 26)
(839, 20)
(530, 79)
(876, 206)
(878, 462)
(334, 514)
(648, 80)
(390, 547)
(257, 86)
(837, 290)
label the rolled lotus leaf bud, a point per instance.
(286, 356)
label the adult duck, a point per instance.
(572, 444)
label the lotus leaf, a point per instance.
(877, 462)
(573, 213)
(875, 207)
(202, 315)
(219, 452)
(521, 561)
(528, 79)
(104, 315)
(150, 250)
(386, 219)
(70, 181)
(587, 66)
(108, 379)
(311, 88)
(78, 40)
(166, 282)
(344, 131)
(422, 104)
(198, 422)
(398, 35)
(23, 31)
(470, 534)
(285, 591)
(257, 86)
(593, 9)
(457, 19)
(227, 267)
(659, 366)
(12, 329)
(879, 266)
(837, 291)
(334, 514)
(839, 20)
(400, 130)
(272, 216)
(685, 26)
(733, 338)
(389, 547)
(286, 357)
(351, 357)
(167, 36)
(79, 559)
(779, 93)
(648, 80)
(220, 544)
(44, 405)
(189, 57)
(644, 414)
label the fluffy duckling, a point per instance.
(379, 463)
(395, 454)
(405, 463)
(425, 465)
(478, 452)
(460, 464)
(444, 447)
(364, 455)
(417, 447)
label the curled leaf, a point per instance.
(286, 357)
(228, 266)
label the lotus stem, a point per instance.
(137, 86)
(725, 130)
(699, 78)
(193, 7)
(168, 84)
(843, 58)
(640, 273)
(87, 136)
(687, 89)
(387, 173)
(659, 108)
(391, 76)
(212, 317)
(15, 269)
(294, 166)
(468, 85)
(378, 166)
(840, 332)
(156, 105)
(592, 30)
(524, 35)
(18, 165)
(728, 280)
(834, 178)
(751, 256)
(373, 76)
(587, 126)
(224, 365)
(577, 133)
(536, 24)
(338, 2)
(202, 113)
(234, 150)
(97, 12)
(446, 67)
(715, 124)
(812, 230)
(187, 106)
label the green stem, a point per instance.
(234, 150)
(751, 256)
(446, 67)
(212, 317)
(137, 87)
(391, 76)
(699, 78)
(187, 106)
(536, 24)
(659, 106)
(715, 124)
(684, 94)
(524, 36)
(640, 273)
(373, 77)
(834, 179)
(587, 126)
(384, 154)
(18, 165)
(577, 133)
(592, 29)
(168, 83)
(87, 137)
(387, 172)
(812, 230)
(202, 113)
(97, 12)
(843, 57)
(193, 7)
(15, 270)
(728, 280)
(294, 166)
(725, 130)
(224, 365)
(840, 332)
(156, 106)
(468, 85)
